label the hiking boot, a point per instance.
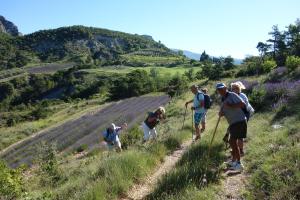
(197, 137)
(202, 130)
(230, 163)
(237, 166)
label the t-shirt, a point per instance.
(233, 115)
(198, 98)
(112, 136)
(244, 98)
(152, 124)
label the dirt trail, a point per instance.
(140, 191)
(233, 186)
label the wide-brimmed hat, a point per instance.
(162, 109)
(238, 84)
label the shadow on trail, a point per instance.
(194, 168)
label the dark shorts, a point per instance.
(238, 130)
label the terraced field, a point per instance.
(85, 130)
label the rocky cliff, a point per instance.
(8, 27)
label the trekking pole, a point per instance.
(192, 125)
(204, 178)
(213, 137)
(184, 118)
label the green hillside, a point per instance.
(79, 44)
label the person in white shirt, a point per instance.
(111, 136)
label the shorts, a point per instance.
(148, 132)
(116, 144)
(198, 118)
(238, 130)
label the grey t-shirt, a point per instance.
(233, 115)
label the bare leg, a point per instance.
(241, 146)
(197, 131)
(203, 126)
(235, 149)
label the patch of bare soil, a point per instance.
(234, 186)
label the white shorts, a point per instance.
(148, 132)
(117, 144)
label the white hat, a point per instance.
(238, 84)
(162, 109)
(112, 126)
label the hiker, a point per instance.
(207, 104)
(237, 88)
(198, 107)
(151, 121)
(231, 108)
(111, 136)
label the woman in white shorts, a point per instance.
(151, 121)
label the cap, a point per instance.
(220, 85)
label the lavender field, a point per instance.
(85, 130)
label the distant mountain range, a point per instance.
(196, 56)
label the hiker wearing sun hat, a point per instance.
(237, 88)
(231, 109)
(111, 136)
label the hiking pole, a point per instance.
(204, 178)
(213, 137)
(184, 117)
(192, 125)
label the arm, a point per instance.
(234, 102)
(240, 104)
(187, 103)
(120, 128)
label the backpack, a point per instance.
(207, 100)
(106, 139)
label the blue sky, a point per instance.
(221, 27)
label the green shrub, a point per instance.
(133, 136)
(49, 171)
(82, 148)
(11, 182)
(292, 62)
(177, 85)
(257, 98)
(268, 65)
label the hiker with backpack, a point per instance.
(237, 88)
(207, 105)
(231, 109)
(151, 121)
(111, 136)
(198, 107)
